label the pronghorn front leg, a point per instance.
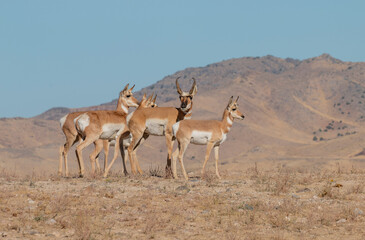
(207, 154)
(216, 156)
(169, 144)
(116, 147)
(79, 149)
(175, 155)
(182, 148)
(106, 146)
(123, 154)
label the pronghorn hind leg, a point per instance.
(216, 156)
(136, 162)
(182, 148)
(94, 155)
(70, 141)
(60, 160)
(207, 154)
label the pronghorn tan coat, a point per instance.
(204, 132)
(158, 122)
(72, 137)
(127, 138)
(105, 125)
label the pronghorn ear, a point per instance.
(126, 87)
(193, 89)
(144, 97)
(230, 102)
(132, 88)
(178, 87)
(150, 98)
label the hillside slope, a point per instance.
(294, 109)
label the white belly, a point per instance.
(156, 126)
(200, 137)
(110, 130)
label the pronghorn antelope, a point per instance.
(204, 132)
(72, 137)
(105, 125)
(158, 122)
(125, 142)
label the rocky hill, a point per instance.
(309, 109)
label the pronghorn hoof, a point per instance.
(81, 175)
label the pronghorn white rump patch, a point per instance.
(129, 116)
(200, 137)
(110, 130)
(156, 126)
(63, 120)
(175, 128)
(82, 121)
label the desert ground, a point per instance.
(264, 200)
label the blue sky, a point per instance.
(81, 53)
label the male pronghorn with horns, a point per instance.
(204, 132)
(158, 122)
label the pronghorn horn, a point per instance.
(230, 101)
(132, 88)
(237, 98)
(193, 88)
(154, 100)
(178, 87)
(126, 87)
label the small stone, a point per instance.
(303, 190)
(51, 221)
(301, 220)
(183, 188)
(342, 220)
(248, 207)
(358, 211)
(30, 201)
(295, 196)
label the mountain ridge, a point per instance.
(294, 109)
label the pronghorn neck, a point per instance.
(187, 112)
(122, 107)
(227, 121)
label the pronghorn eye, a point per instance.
(190, 97)
(234, 109)
(128, 96)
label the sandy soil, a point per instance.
(279, 202)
